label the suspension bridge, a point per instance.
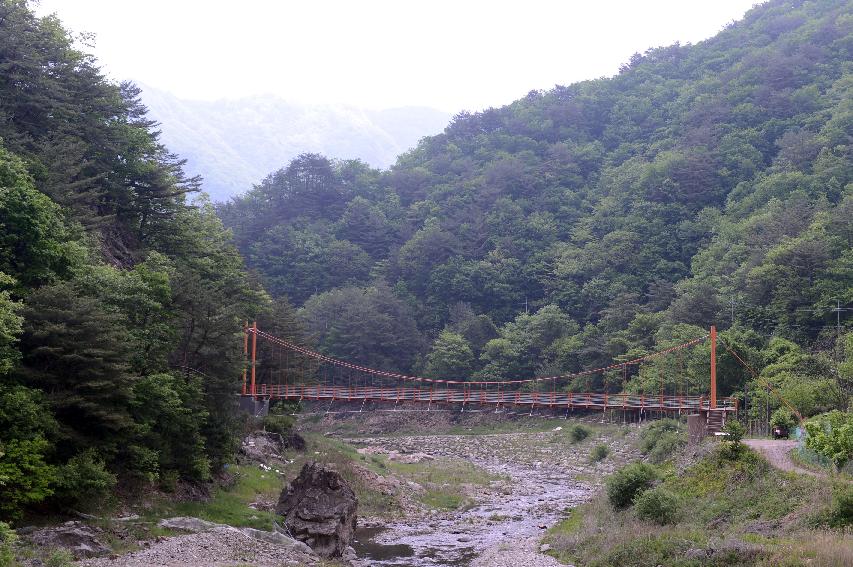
(293, 372)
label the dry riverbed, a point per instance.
(524, 482)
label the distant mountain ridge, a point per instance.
(235, 143)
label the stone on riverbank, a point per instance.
(77, 537)
(320, 509)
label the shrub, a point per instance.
(630, 481)
(579, 432)
(831, 435)
(657, 505)
(652, 434)
(85, 480)
(599, 453)
(60, 558)
(281, 424)
(732, 447)
(7, 538)
(668, 443)
(841, 512)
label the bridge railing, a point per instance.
(596, 400)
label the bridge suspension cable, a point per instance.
(388, 374)
(304, 373)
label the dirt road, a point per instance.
(778, 453)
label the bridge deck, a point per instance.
(493, 397)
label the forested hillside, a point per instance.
(703, 184)
(112, 282)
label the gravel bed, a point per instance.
(218, 547)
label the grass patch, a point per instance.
(568, 525)
(735, 512)
(444, 481)
(231, 505)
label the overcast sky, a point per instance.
(452, 55)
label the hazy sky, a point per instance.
(451, 55)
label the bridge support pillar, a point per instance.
(254, 353)
(713, 367)
(254, 406)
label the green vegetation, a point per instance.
(841, 511)
(7, 538)
(111, 276)
(629, 482)
(444, 481)
(277, 423)
(831, 436)
(231, 505)
(706, 183)
(656, 505)
(720, 511)
(599, 453)
(578, 433)
(662, 439)
(732, 446)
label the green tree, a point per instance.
(11, 325)
(450, 357)
(34, 247)
(170, 416)
(78, 353)
(26, 477)
(367, 326)
(831, 435)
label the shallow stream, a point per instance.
(540, 484)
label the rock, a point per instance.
(695, 554)
(294, 441)
(77, 537)
(349, 554)
(410, 458)
(277, 538)
(544, 548)
(320, 509)
(187, 524)
(261, 446)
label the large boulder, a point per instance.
(319, 508)
(80, 539)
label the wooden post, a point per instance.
(245, 353)
(254, 352)
(713, 403)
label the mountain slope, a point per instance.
(701, 181)
(233, 144)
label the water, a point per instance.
(379, 553)
(535, 482)
(417, 550)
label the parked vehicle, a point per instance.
(780, 432)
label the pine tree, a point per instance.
(77, 353)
